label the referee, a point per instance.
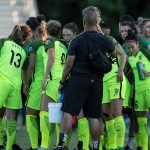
(84, 87)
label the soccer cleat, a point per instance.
(139, 148)
(59, 148)
(16, 147)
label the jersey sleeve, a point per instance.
(33, 47)
(49, 43)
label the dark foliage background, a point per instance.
(70, 10)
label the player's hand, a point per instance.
(146, 73)
(26, 89)
(120, 76)
(44, 85)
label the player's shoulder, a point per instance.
(50, 40)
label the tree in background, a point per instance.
(70, 10)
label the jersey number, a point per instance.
(63, 58)
(18, 61)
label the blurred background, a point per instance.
(17, 11)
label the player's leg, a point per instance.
(110, 135)
(32, 112)
(83, 130)
(32, 126)
(141, 108)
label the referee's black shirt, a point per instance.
(79, 47)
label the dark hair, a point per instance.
(142, 21)
(33, 23)
(131, 36)
(72, 26)
(42, 28)
(54, 28)
(89, 15)
(19, 34)
(131, 25)
(126, 18)
(41, 18)
(104, 25)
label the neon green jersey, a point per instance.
(59, 58)
(12, 58)
(145, 47)
(114, 70)
(140, 85)
(39, 50)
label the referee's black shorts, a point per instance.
(83, 92)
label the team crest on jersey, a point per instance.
(47, 42)
(30, 49)
(140, 57)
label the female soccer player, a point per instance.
(129, 96)
(35, 68)
(56, 52)
(145, 39)
(113, 96)
(141, 69)
(114, 87)
(12, 58)
(70, 30)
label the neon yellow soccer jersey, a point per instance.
(59, 58)
(114, 70)
(140, 85)
(12, 58)
(39, 50)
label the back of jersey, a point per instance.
(12, 58)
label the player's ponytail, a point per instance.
(25, 32)
(16, 34)
(19, 34)
(142, 21)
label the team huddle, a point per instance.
(43, 60)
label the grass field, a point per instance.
(22, 138)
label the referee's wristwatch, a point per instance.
(62, 83)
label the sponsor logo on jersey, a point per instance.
(47, 42)
(30, 49)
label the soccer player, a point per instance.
(128, 109)
(12, 57)
(56, 52)
(141, 69)
(105, 28)
(70, 30)
(145, 39)
(113, 96)
(36, 68)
